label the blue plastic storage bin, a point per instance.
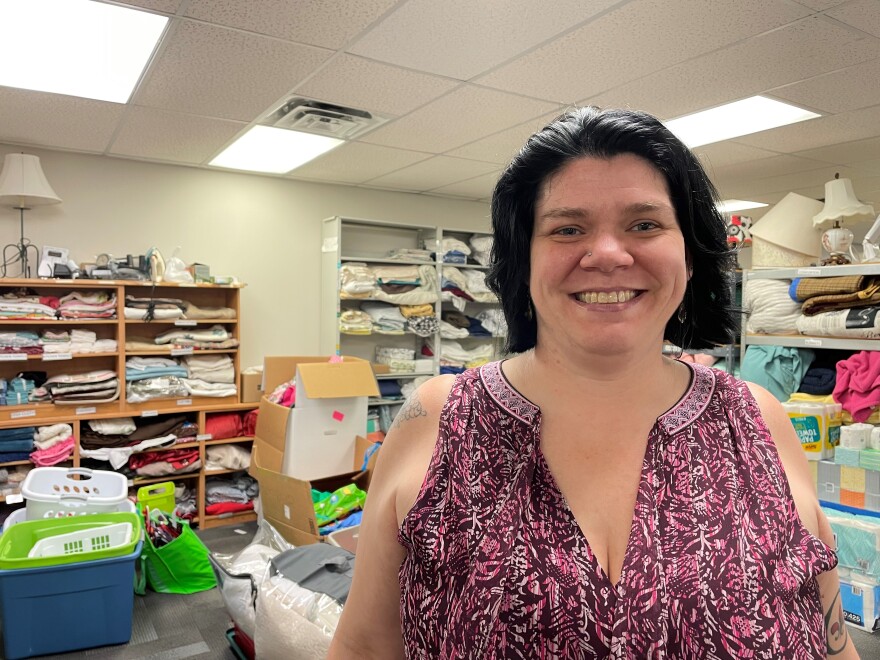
(63, 608)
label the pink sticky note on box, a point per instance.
(338, 416)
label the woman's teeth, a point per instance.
(603, 297)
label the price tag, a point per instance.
(149, 413)
(809, 272)
(86, 411)
(14, 498)
(812, 342)
(184, 402)
(181, 351)
(23, 413)
(51, 357)
(204, 436)
(185, 323)
(13, 357)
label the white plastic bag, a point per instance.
(175, 269)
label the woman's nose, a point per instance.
(606, 252)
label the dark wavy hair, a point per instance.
(710, 315)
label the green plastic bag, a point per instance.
(179, 567)
(337, 504)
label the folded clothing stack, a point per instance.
(154, 378)
(481, 249)
(117, 439)
(148, 309)
(11, 479)
(20, 342)
(215, 337)
(195, 312)
(230, 495)
(98, 386)
(16, 444)
(16, 391)
(88, 305)
(222, 426)
(227, 457)
(210, 375)
(386, 318)
(76, 341)
(22, 305)
(54, 444)
(162, 463)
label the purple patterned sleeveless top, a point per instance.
(718, 564)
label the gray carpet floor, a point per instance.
(173, 627)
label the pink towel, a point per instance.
(55, 454)
(858, 384)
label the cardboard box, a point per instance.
(331, 411)
(251, 388)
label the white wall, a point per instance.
(263, 230)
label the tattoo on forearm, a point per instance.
(411, 409)
(835, 627)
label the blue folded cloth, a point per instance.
(12, 456)
(142, 374)
(7, 446)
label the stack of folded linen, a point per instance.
(16, 444)
(215, 337)
(54, 444)
(76, 341)
(481, 249)
(168, 462)
(11, 479)
(230, 495)
(100, 386)
(20, 305)
(117, 440)
(411, 254)
(20, 342)
(210, 375)
(148, 309)
(355, 322)
(88, 305)
(387, 319)
(195, 312)
(153, 378)
(356, 280)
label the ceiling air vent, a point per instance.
(309, 116)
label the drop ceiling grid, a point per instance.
(839, 91)
(500, 147)
(225, 73)
(432, 173)
(478, 187)
(357, 162)
(863, 14)
(627, 42)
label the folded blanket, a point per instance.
(769, 307)
(861, 323)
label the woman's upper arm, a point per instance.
(370, 623)
(803, 490)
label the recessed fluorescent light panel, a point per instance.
(273, 150)
(734, 205)
(76, 47)
(725, 122)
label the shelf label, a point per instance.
(809, 272)
(51, 357)
(13, 357)
(185, 323)
(149, 413)
(14, 498)
(812, 342)
(23, 413)
(184, 402)
(330, 244)
(181, 351)
(204, 436)
(86, 410)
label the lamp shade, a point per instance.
(842, 204)
(789, 225)
(23, 184)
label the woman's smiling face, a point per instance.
(608, 259)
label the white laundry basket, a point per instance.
(52, 492)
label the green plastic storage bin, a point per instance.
(17, 541)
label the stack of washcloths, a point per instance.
(153, 378)
(76, 341)
(88, 305)
(149, 309)
(54, 445)
(210, 375)
(21, 305)
(16, 444)
(100, 386)
(213, 338)
(20, 342)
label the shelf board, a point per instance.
(216, 473)
(403, 375)
(473, 266)
(99, 284)
(182, 325)
(228, 519)
(72, 356)
(8, 321)
(795, 341)
(137, 481)
(14, 463)
(229, 441)
(195, 351)
(386, 260)
(813, 271)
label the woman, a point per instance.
(589, 497)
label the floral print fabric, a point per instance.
(718, 563)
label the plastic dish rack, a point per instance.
(52, 492)
(83, 540)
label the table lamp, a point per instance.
(841, 205)
(23, 186)
(785, 236)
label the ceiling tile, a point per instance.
(224, 73)
(820, 5)
(462, 116)
(356, 162)
(861, 14)
(502, 146)
(821, 132)
(631, 34)
(845, 152)
(317, 22)
(814, 179)
(790, 54)
(163, 135)
(477, 188)
(839, 91)
(462, 38)
(55, 120)
(373, 86)
(768, 167)
(164, 6)
(723, 154)
(433, 173)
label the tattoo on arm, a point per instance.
(411, 409)
(835, 628)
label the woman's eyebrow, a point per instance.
(564, 212)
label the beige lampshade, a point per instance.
(842, 204)
(23, 184)
(789, 225)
